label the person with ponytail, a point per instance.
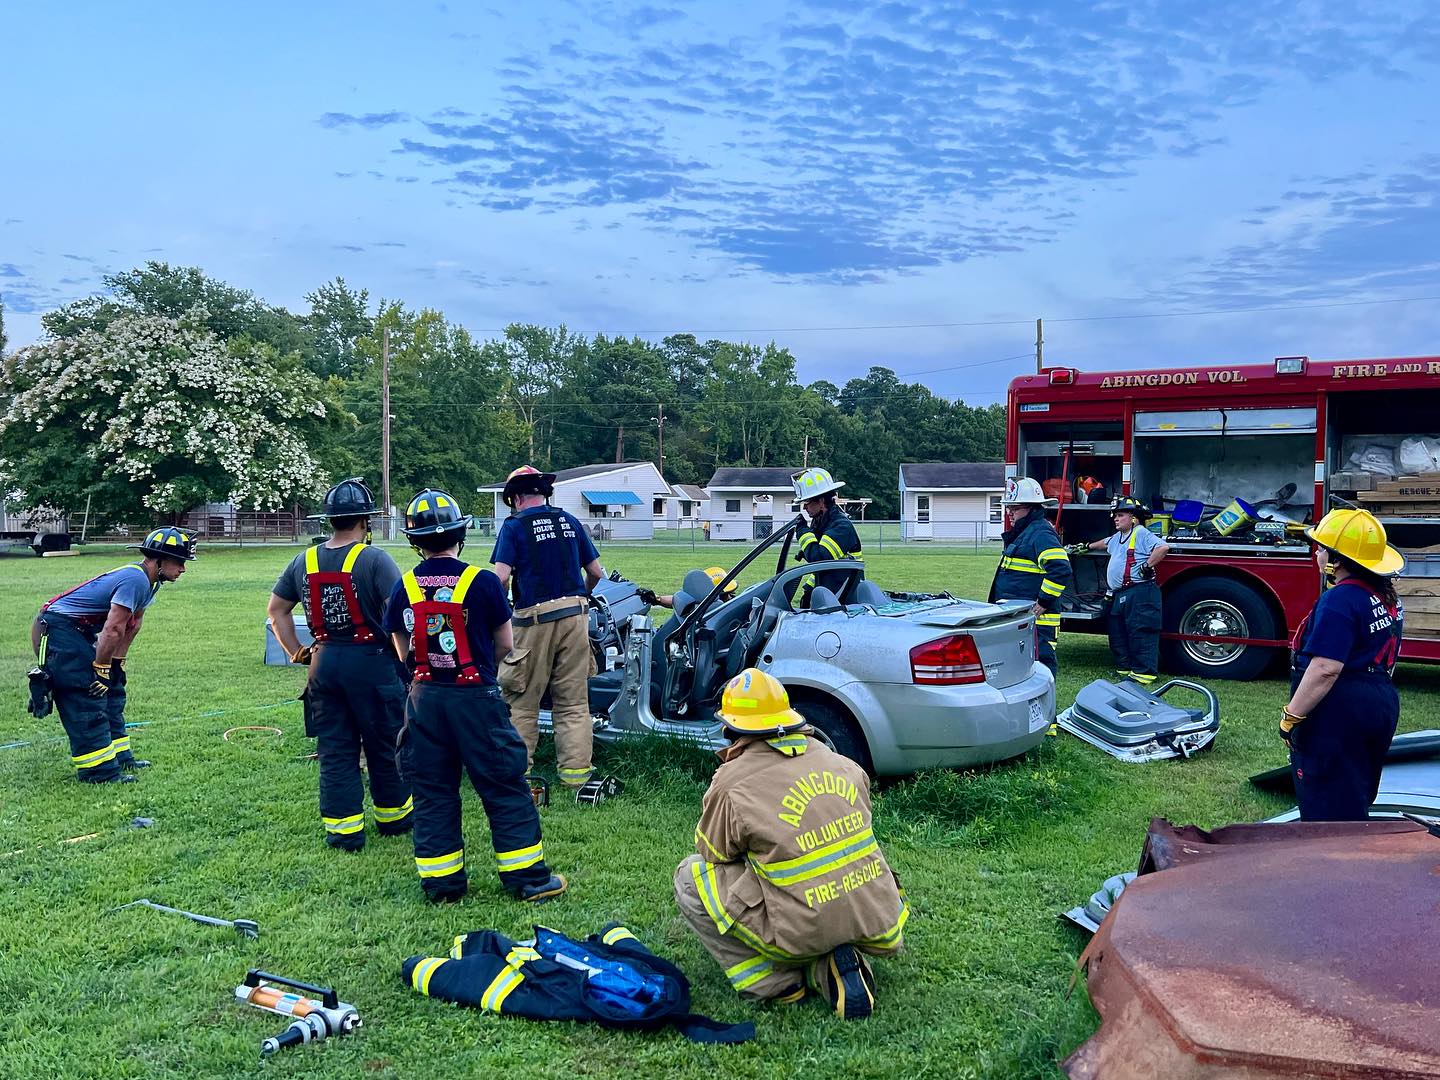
(1343, 708)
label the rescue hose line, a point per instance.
(211, 714)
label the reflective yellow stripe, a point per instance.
(440, 865)
(1050, 554)
(765, 949)
(458, 949)
(891, 937)
(312, 559)
(413, 592)
(1050, 588)
(469, 574)
(122, 744)
(1143, 680)
(824, 860)
(709, 890)
(616, 933)
(575, 776)
(388, 814)
(520, 858)
(420, 977)
(344, 825)
(94, 757)
(520, 954)
(829, 544)
(354, 553)
(748, 972)
(500, 988)
(1047, 620)
(858, 556)
(792, 745)
(1024, 566)
(701, 838)
(806, 539)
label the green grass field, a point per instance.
(988, 860)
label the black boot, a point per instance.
(845, 981)
(542, 891)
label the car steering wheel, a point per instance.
(603, 625)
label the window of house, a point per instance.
(997, 513)
(686, 508)
(732, 506)
(599, 510)
(659, 508)
(922, 509)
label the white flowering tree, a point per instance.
(158, 414)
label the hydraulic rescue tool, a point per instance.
(245, 927)
(316, 1018)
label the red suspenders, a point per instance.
(431, 617)
(316, 580)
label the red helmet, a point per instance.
(527, 480)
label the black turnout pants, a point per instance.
(448, 728)
(1134, 626)
(93, 724)
(1337, 752)
(356, 699)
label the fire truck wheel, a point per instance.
(1224, 608)
(835, 729)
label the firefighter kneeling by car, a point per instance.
(452, 619)
(789, 887)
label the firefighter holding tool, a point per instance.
(831, 534)
(452, 620)
(82, 638)
(1343, 708)
(1033, 566)
(547, 559)
(788, 889)
(354, 695)
(1134, 615)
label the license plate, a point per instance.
(1037, 714)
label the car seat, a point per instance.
(823, 601)
(867, 592)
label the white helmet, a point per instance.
(1025, 492)
(812, 483)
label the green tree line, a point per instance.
(465, 411)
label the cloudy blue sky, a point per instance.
(769, 169)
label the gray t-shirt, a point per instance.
(1118, 547)
(373, 574)
(128, 586)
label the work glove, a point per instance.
(647, 597)
(117, 671)
(1288, 722)
(103, 681)
(1076, 549)
(302, 655)
(1146, 572)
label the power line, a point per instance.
(999, 322)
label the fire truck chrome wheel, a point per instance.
(1219, 619)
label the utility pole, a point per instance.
(805, 464)
(385, 429)
(620, 444)
(1039, 345)
(660, 447)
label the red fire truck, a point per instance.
(1287, 438)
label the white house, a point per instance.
(951, 500)
(615, 501)
(745, 503)
(681, 509)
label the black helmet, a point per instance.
(527, 480)
(1129, 505)
(349, 498)
(433, 512)
(167, 542)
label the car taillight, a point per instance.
(946, 661)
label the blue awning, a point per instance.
(611, 498)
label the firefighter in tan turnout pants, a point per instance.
(547, 559)
(789, 886)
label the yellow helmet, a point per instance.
(717, 575)
(1357, 536)
(755, 703)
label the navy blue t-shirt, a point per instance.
(485, 609)
(546, 548)
(1352, 625)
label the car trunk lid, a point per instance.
(1004, 635)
